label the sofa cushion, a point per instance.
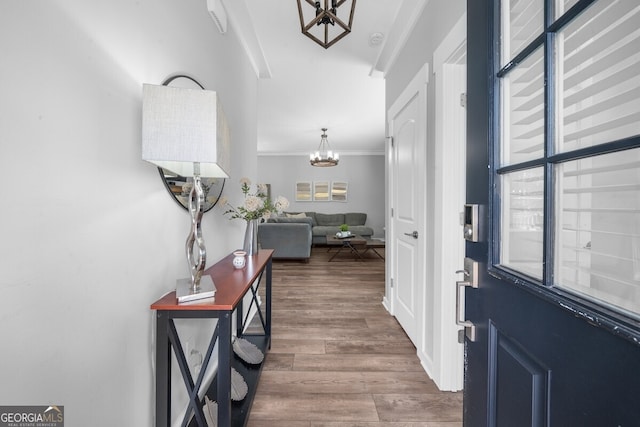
(296, 220)
(329, 219)
(355, 218)
(312, 215)
(288, 240)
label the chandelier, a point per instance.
(325, 28)
(324, 157)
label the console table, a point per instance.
(232, 285)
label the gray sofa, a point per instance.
(290, 239)
(323, 224)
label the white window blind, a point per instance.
(524, 21)
(598, 236)
(598, 198)
(599, 75)
(523, 221)
(595, 94)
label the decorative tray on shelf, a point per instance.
(343, 235)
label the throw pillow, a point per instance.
(298, 215)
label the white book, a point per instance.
(185, 293)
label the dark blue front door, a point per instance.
(546, 353)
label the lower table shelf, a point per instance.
(251, 374)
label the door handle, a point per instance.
(470, 280)
(414, 234)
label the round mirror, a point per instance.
(179, 186)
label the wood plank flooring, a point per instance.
(338, 358)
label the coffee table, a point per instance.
(372, 244)
(351, 243)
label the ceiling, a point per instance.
(304, 87)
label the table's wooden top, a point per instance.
(231, 284)
(354, 240)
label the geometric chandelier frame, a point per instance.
(325, 28)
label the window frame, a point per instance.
(608, 318)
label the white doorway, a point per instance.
(421, 286)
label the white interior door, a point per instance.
(407, 125)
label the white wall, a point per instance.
(363, 173)
(89, 238)
(437, 19)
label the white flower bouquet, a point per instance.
(256, 205)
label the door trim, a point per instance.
(449, 197)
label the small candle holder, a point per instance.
(239, 259)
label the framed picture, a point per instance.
(303, 191)
(339, 191)
(321, 191)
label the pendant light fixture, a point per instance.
(324, 157)
(322, 23)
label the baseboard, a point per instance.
(386, 305)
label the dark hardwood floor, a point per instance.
(338, 358)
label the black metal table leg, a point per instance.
(224, 369)
(163, 371)
(267, 328)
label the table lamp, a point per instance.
(185, 131)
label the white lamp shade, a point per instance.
(183, 127)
